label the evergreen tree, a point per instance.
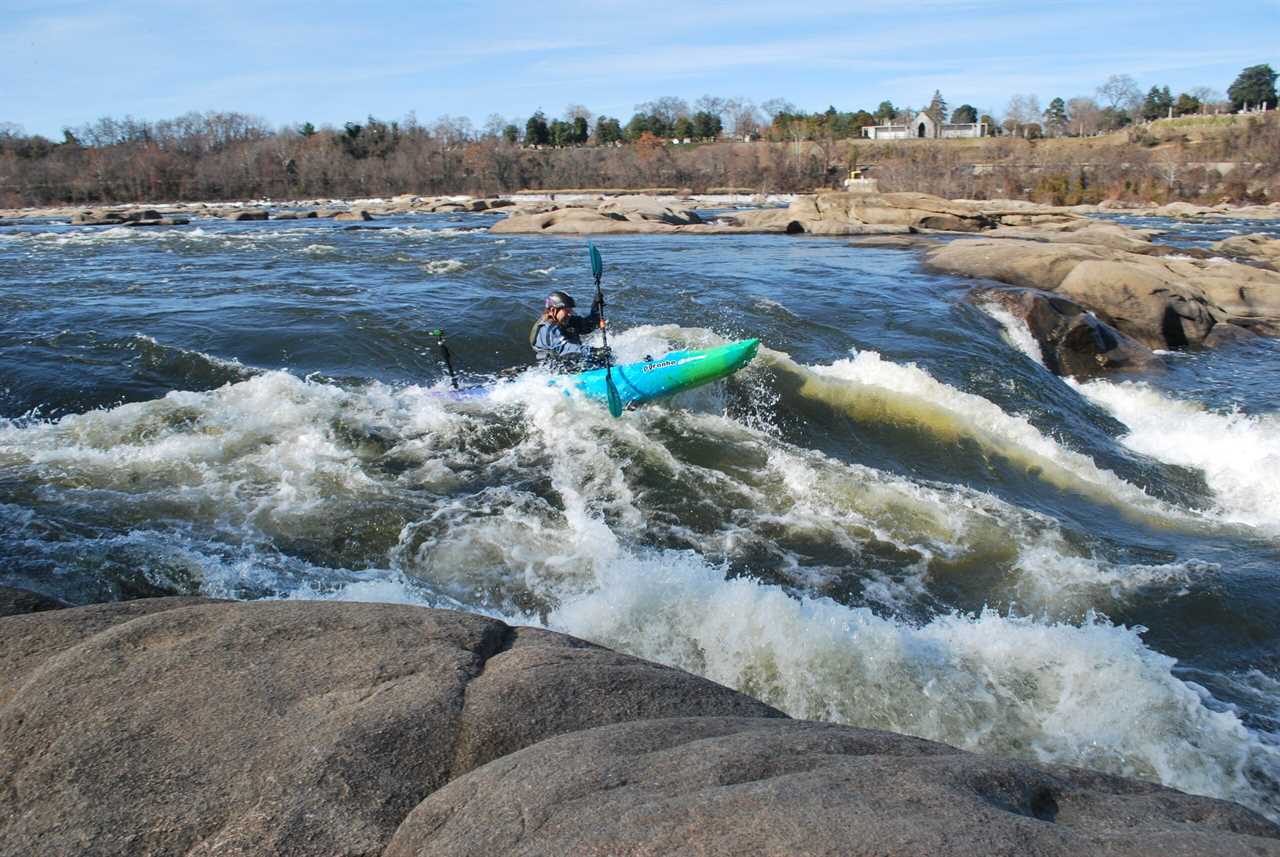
(1186, 105)
(706, 125)
(937, 107)
(608, 131)
(536, 132)
(511, 134)
(580, 130)
(1157, 103)
(683, 128)
(1055, 116)
(307, 130)
(638, 125)
(561, 133)
(1255, 85)
(885, 112)
(965, 113)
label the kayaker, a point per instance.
(556, 337)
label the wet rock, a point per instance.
(727, 786)
(241, 216)
(1163, 302)
(361, 214)
(16, 602)
(160, 221)
(1072, 340)
(896, 242)
(1257, 248)
(115, 217)
(650, 210)
(619, 217)
(1115, 236)
(184, 726)
(1154, 309)
(853, 213)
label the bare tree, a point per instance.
(1166, 164)
(743, 116)
(493, 125)
(1121, 92)
(774, 106)
(1085, 114)
(1022, 112)
(577, 111)
(668, 108)
(452, 130)
(1210, 98)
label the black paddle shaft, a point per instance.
(448, 358)
(604, 328)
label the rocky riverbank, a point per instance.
(188, 726)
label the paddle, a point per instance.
(444, 350)
(597, 270)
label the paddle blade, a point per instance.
(597, 265)
(615, 401)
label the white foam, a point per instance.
(1089, 694)
(1238, 453)
(443, 266)
(1016, 332)
(871, 388)
(266, 454)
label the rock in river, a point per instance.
(183, 726)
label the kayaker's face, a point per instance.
(562, 314)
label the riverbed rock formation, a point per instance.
(185, 726)
(1162, 302)
(1072, 340)
(1257, 248)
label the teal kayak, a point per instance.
(647, 380)
(667, 375)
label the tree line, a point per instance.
(227, 155)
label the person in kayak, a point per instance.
(556, 337)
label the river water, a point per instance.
(894, 518)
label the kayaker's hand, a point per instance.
(603, 324)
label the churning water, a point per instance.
(895, 517)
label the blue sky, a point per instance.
(68, 62)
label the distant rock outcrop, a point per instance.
(616, 216)
(1257, 248)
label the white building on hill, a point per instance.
(925, 127)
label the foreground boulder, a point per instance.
(711, 785)
(1162, 302)
(185, 726)
(1072, 340)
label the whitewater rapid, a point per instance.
(540, 508)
